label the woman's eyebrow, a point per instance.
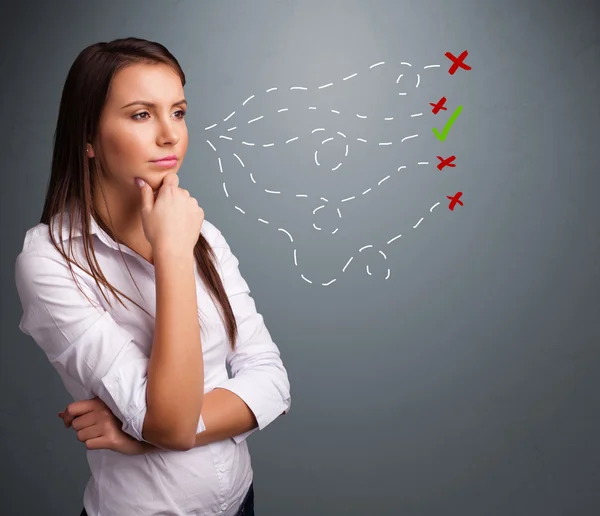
(151, 104)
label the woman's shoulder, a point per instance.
(37, 239)
(38, 254)
(212, 234)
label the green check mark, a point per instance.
(442, 136)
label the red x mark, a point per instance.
(455, 199)
(438, 105)
(447, 162)
(457, 62)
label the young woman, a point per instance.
(138, 301)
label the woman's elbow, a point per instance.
(169, 438)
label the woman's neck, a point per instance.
(123, 217)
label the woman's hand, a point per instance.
(99, 428)
(171, 218)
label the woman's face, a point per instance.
(142, 121)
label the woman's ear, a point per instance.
(90, 151)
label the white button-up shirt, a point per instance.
(103, 351)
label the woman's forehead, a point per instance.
(156, 83)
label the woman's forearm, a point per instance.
(175, 388)
(224, 414)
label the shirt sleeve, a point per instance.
(82, 341)
(258, 375)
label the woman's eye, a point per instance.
(138, 116)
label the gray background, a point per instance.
(466, 382)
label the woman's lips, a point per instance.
(166, 163)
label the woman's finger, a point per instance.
(90, 432)
(81, 422)
(98, 443)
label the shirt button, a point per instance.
(224, 506)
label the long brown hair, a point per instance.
(74, 176)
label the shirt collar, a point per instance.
(62, 232)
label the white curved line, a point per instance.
(239, 159)
(287, 233)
